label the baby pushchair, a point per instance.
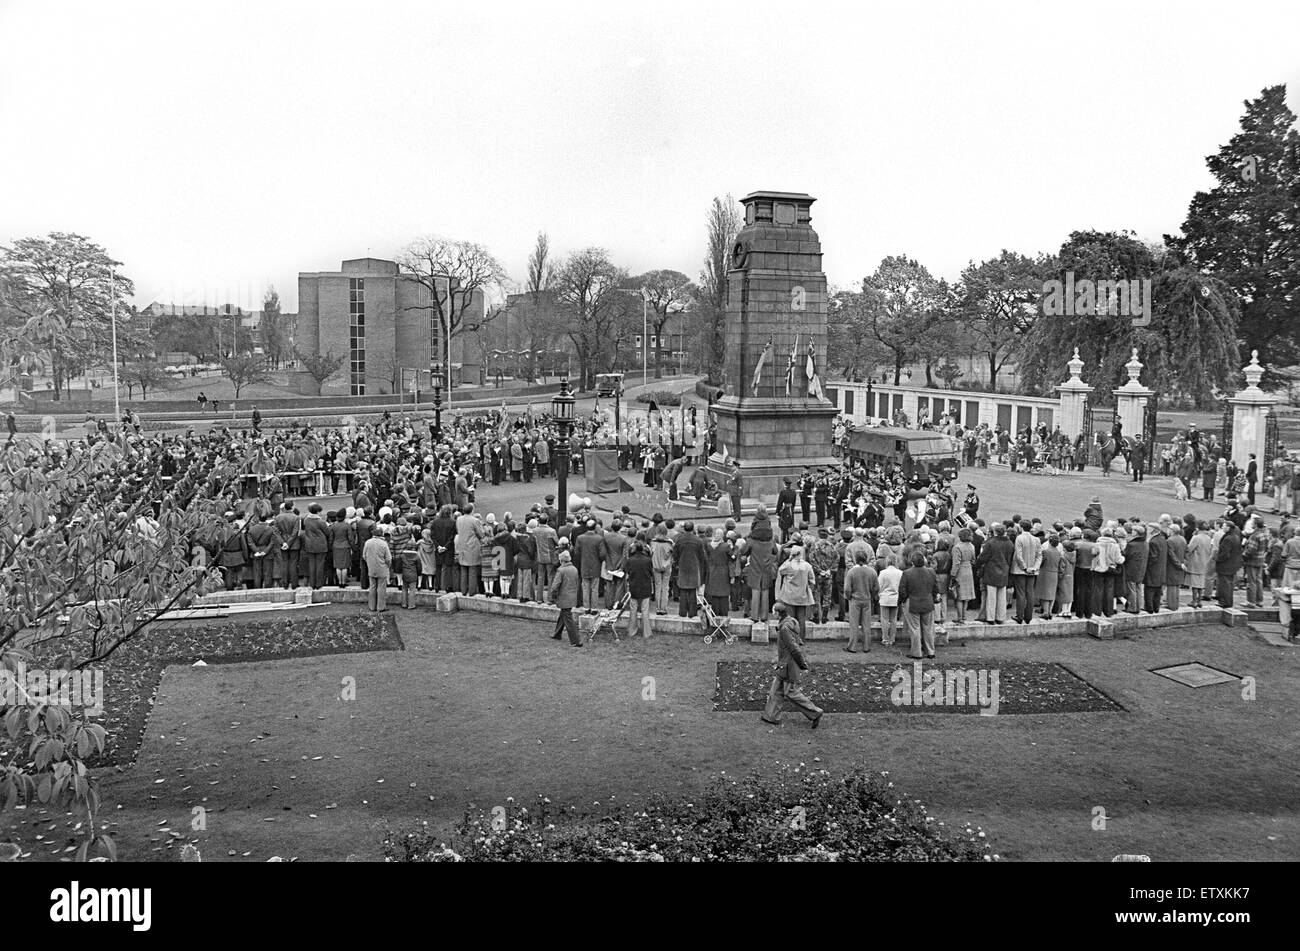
(716, 626)
(607, 619)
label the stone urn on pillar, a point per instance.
(1074, 398)
(1249, 408)
(1131, 399)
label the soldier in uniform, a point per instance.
(785, 509)
(972, 504)
(1137, 456)
(806, 485)
(821, 495)
(824, 558)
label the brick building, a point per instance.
(384, 322)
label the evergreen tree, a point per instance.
(1246, 229)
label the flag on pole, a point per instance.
(789, 367)
(501, 427)
(810, 370)
(724, 453)
(762, 360)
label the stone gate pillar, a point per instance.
(1074, 394)
(1249, 407)
(1131, 399)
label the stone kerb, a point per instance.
(1117, 625)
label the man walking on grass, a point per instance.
(789, 663)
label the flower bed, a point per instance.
(850, 687)
(788, 814)
(132, 673)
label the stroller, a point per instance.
(717, 627)
(607, 619)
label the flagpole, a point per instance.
(112, 293)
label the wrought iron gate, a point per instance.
(1150, 425)
(1097, 419)
(1225, 432)
(1270, 445)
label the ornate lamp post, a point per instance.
(562, 411)
(436, 372)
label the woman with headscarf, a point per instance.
(795, 586)
(717, 586)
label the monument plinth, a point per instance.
(772, 416)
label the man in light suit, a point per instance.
(564, 595)
(378, 558)
(789, 663)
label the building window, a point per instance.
(357, 336)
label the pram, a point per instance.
(607, 619)
(717, 626)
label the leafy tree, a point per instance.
(668, 293)
(851, 349)
(453, 272)
(277, 339)
(1188, 349)
(85, 569)
(321, 366)
(589, 288)
(723, 225)
(146, 374)
(58, 295)
(950, 373)
(244, 369)
(902, 304)
(203, 332)
(1246, 229)
(997, 305)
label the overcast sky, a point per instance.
(220, 147)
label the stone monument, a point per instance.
(773, 416)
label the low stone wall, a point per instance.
(1117, 625)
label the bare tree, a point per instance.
(724, 223)
(321, 366)
(453, 272)
(542, 326)
(668, 293)
(590, 289)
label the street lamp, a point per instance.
(562, 411)
(618, 425)
(435, 373)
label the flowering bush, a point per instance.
(789, 814)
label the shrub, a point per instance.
(660, 398)
(790, 814)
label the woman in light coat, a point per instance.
(1065, 586)
(794, 586)
(1199, 560)
(963, 573)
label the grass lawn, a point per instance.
(477, 709)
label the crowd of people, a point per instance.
(861, 544)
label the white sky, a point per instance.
(220, 147)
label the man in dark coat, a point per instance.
(1252, 476)
(1135, 568)
(785, 501)
(993, 568)
(1157, 567)
(1227, 563)
(692, 568)
(789, 664)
